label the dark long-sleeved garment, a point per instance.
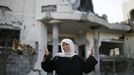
(69, 66)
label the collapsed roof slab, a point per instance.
(119, 27)
(111, 26)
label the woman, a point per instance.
(67, 62)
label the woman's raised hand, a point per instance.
(46, 52)
(91, 51)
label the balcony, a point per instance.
(70, 17)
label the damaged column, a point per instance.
(55, 34)
(96, 36)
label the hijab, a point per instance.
(63, 53)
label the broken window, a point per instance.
(112, 62)
(7, 36)
(110, 48)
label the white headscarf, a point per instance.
(63, 53)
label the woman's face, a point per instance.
(66, 47)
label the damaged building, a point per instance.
(37, 24)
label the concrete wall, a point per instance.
(32, 30)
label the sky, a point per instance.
(112, 8)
